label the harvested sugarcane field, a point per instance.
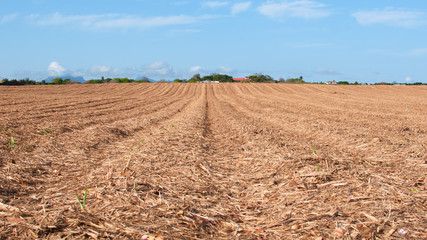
(213, 161)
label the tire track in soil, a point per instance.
(204, 195)
(225, 166)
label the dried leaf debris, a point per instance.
(213, 161)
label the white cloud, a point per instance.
(302, 8)
(224, 70)
(55, 69)
(59, 19)
(100, 69)
(132, 21)
(156, 70)
(159, 68)
(215, 4)
(196, 69)
(97, 71)
(391, 16)
(240, 7)
(105, 21)
(33, 17)
(8, 18)
(408, 79)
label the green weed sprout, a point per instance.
(45, 132)
(315, 153)
(82, 203)
(170, 130)
(12, 142)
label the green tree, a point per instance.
(295, 80)
(195, 78)
(144, 79)
(207, 78)
(261, 78)
(57, 81)
(222, 78)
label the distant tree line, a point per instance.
(215, 77)
(341, 83)
(60, 81)
(117, 80)
(15, 82)
(299, 80)
(26, 81)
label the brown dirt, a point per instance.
(213, 161)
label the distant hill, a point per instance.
(74, 78)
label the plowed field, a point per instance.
(213, 161)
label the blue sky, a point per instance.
(321, 40)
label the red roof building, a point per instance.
(241, 79)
